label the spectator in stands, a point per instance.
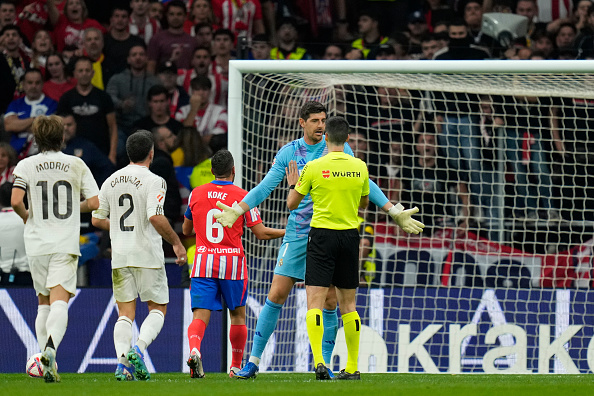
(162, 165)
(333, 52)
(93, 48)
(172, 43)
(436, 11)
(119, 41)
(261, 47)
(41, 48)
(8, 159)
(179, 100)
(69, 26)
(7, 13)
(222, 48)
(141, 23)
(429, 46)
(528, 122)
(158, 104)
(385, 52)
(208, 118)
(128, 91)
(473, 17)
(203, 33)
(16, 59)
(390, 173)
(584, 43)
(32, 18)
(101, 167)
(7, 86)
(400, 42)
(57, 82)
(542, 41)
(565, 36)
(426, 181)
(197, 155)
(459, 46)
(370, 38)
(578, 17)
(287, 48)
(156, 10)
(202, 66)
(14, 265)
(21, 113)
(200, 13)
(529, 9)
(243, 18)
(93, 110)
(417, 27)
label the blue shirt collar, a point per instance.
(221, 182)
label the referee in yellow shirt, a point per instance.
(338, 184)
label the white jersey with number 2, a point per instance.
(130, 197)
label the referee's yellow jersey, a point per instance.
(336, 183)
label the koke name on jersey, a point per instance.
(217, 195)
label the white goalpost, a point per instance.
(498, 156)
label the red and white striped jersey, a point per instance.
(219, 251)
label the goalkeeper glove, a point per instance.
(229, 214)
(404, 220)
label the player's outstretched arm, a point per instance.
(404, 220)
(230, 214)
(265, 233)
(164, 229)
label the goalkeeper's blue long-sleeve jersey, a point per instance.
(299, 219)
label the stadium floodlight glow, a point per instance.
(435, 301)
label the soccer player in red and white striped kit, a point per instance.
(220, 267)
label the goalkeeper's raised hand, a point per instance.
(229, 214)
(404, 220)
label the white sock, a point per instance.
(122, 338)
(41, 325)
(255, 360)
(57, 321)
(150, 329)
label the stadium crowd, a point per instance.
(112, 67)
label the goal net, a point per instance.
(499, 158)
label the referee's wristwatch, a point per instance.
(292, 187)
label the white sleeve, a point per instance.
(156, 197)
(20, 175)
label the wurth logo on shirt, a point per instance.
(346, 174)
(325, 174)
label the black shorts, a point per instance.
(332, 258)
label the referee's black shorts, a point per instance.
(332, 258)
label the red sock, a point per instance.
(237, 337)
(196, 333)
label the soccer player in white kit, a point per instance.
(133, 199)
(53, 182)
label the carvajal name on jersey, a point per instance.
(204, 249)
(217, 195)
(127, 179)
(52, 165)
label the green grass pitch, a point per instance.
(174, 384)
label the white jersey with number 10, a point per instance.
(54, 183)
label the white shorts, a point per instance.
(51, 270)
(148, 283)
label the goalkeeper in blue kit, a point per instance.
(290, 267)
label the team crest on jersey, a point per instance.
(280, 262)
(326, 174)
(274, 161)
